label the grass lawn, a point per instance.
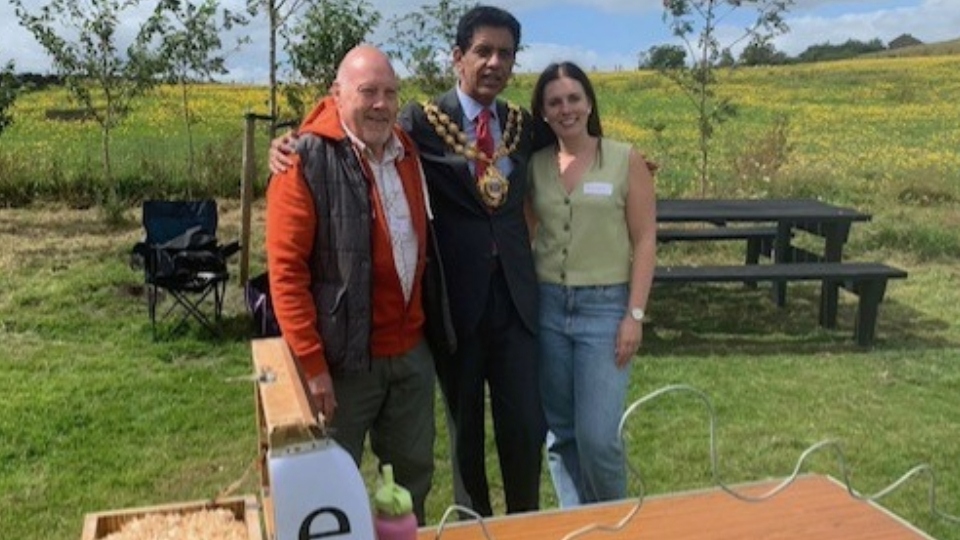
(98, 416)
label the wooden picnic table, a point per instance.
(828, 221)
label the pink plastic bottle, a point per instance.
(394, 519)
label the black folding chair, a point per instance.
(182, 256)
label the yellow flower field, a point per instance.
(863, 122)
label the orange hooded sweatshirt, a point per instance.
(397, 326)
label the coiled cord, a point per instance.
(822, 445)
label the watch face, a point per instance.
(636, 314)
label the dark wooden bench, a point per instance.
(867, 280)
(760, 240)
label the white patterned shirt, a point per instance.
(394, 208)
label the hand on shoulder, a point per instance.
(280, 150)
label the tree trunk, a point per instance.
(105, 141)
(274, 110)
(189, 125)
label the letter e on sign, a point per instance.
(318, 492)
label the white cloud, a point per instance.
(537, 56)
(929, 22)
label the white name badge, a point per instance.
(603, 189)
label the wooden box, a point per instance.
(284, 414)
(244, 508)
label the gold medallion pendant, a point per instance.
(492, 185)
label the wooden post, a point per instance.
(246, 195)
(246, 190)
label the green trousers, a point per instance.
(394, 404)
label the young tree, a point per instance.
(695, 23)
(81, 38)
(9, 89)
(317, 42)
(192, 50)
(278, 12)
(423, 39)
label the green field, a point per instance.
(96, 415)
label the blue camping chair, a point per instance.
(182, 256)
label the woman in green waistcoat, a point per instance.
(592, 210)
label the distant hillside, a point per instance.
(927, 49)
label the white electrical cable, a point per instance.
(826, 444)
(463, 510)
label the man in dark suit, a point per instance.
(477, 196)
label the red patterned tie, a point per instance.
(484, 140)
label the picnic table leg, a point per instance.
(835, 235)
(754, 248)
(781, 255)
(871, 293)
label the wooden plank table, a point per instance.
(813, 507)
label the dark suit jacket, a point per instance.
(467, 230)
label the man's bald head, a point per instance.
(367, 95)
(362, 58)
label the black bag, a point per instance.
(180, 259)
(257, 295)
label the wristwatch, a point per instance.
(637, 314)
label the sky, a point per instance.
(600, 35)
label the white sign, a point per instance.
(318, 493)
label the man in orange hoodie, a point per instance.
(346, 245)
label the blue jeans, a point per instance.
(583, 390)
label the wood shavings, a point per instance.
(213, 524)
